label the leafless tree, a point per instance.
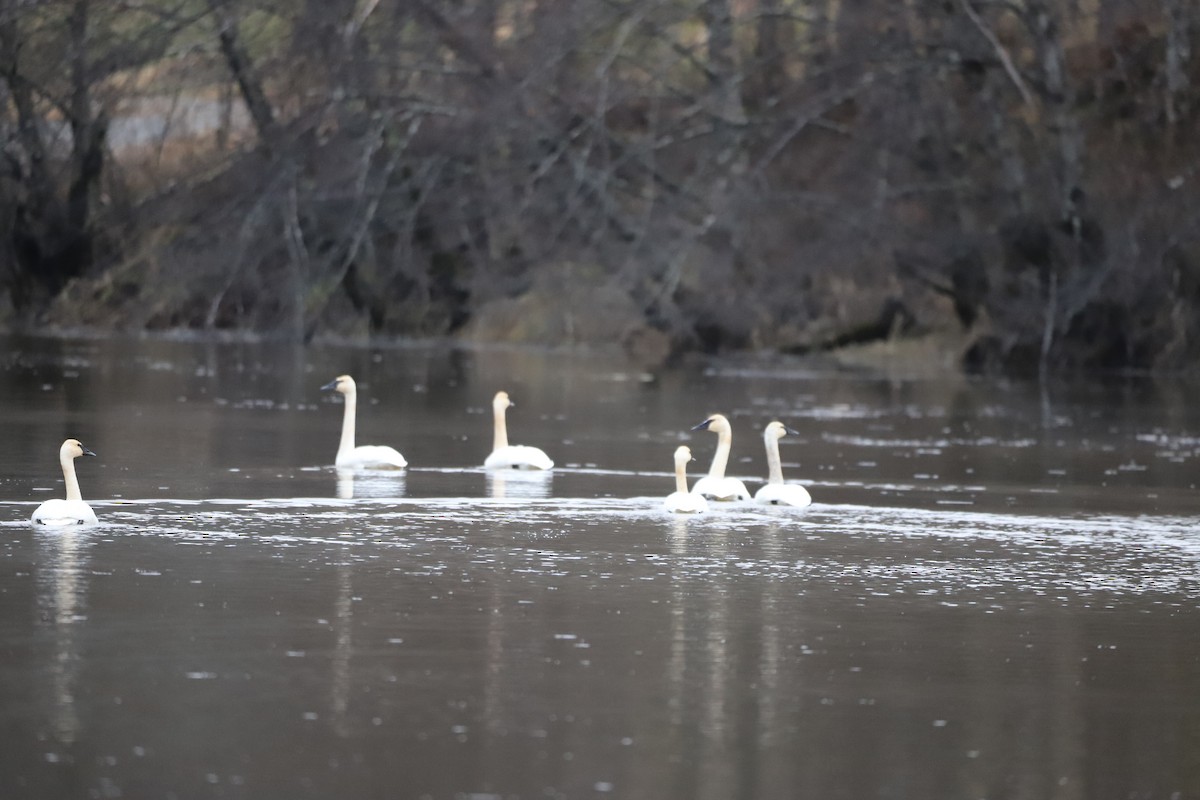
(794, 174)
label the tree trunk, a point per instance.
(1060, 101)
(1178, 55)
(239, 64)
(87, 134)
(34, 172)
(723, 62)
(774, 42)
(53, 243)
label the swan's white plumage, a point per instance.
(714, 485)
(372, 456)
(681, 501)
(722, 489)
(511, 456)
(518, 456)
(783, 494)
(72, 510)
(367, 456)
(776, 492)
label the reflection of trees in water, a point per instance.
(770, 660)
(343, 646)
(62, 599)
(701, 669)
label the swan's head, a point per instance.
(73, 448)
(683, 454)
(777, 430)
(501, 401)
(342, 384)
(717, 423)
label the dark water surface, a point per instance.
(996, 594)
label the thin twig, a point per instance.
(1005, 59)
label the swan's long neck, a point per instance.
(347, 443)
(721, 457)
(681, 477)
(774, 468)
(68, 468)
(500, 438)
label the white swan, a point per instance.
(776, 492)
(681, 501)
(368, 456)
(72, 511)
(714, 485)
(511, 456)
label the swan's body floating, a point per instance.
(714, 485)
(368, 456)
(511, 456)
(72, 511)
(776, 492)
(681, 501)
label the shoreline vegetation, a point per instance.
(970, 185)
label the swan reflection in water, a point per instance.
(370, 483)
(62, 601)
(519, 483)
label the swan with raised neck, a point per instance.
(714, 485)
(367, 456)
(72, 510)
(511, 456)
(681, 501)
(776, 492)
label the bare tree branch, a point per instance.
(1001, 52)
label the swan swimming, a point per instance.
(72, 511)
(714, 485)
(776, 492)
(511, 456)
(681, 501)
(368, 456)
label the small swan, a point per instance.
(714, 485)
(681, 501)
(776, 492)
(72, 511)
(368, 456)
(511, 456)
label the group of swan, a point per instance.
(716, 486)
(74, 511)
(374, 456)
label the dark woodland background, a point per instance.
(1013, 184)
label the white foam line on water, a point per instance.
(1141, 536)
(856, 514)
(1137, 532)
(908, 444)
(534, 475)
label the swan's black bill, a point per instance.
(792, 431)
(330, 386)
(86, 452)
(703, 426)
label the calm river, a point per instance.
(996, 593)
